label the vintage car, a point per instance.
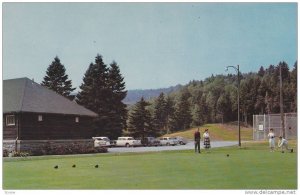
(128, 142)
(150, 141)
(181, 140)
(101, 142)
(167, 141)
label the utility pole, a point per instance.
(281, 102)
(237, 69)
(238, 72)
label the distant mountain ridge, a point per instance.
(135, 95)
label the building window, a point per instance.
(40, 118)
(10, 120)
(77, 119)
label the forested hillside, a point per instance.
(159, 111)
(214, 99)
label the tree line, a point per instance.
(211, 100)
(214, 100)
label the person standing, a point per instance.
(271, 137)
(206, 138)
(283, 144)
(197, 138)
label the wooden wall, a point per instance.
(55, 126)
(10, 132)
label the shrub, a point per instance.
(5, 153)
(74, 148)
(20, 154)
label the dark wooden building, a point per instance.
(33, 112)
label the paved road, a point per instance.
(188, 146)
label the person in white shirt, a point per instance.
(206, 139)
(271, 137)
(283, 144)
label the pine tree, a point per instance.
(183, 112)
(223, 106)
(86, 96)
(160, 113)
(261, 71)
(170, 115)
(260, 103)
(140, 121)
(56, 79)
(118, 112)
(94, 94)
(102, 91)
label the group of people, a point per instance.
(282, 142)
(197, 138)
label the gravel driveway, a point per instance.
(188, 146)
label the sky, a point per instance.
(156, 45)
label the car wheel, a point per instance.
(168, 144)
(127, 145)
(181, 143)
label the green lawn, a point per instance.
(252, 167)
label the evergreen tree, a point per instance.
(261, 71)
(118, 112)
(183, 112)
(170, 114)
(248, 94)
(211, 101)
(95, 95)
(140, 121)
(260, 104)
(87, 96)
(102, 91)
(223, 106)
(56, 79)
(160, 113)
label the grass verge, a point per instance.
(249, 167)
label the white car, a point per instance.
(181, 140)
(101, 142)
(128, 142)
(168, 141)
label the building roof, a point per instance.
(24, 95)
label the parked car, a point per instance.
(181, 140)
(168, 141)
(150, 141)
(101, 142)
(128, 142)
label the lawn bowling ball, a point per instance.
(282, 151)
(227, 155)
